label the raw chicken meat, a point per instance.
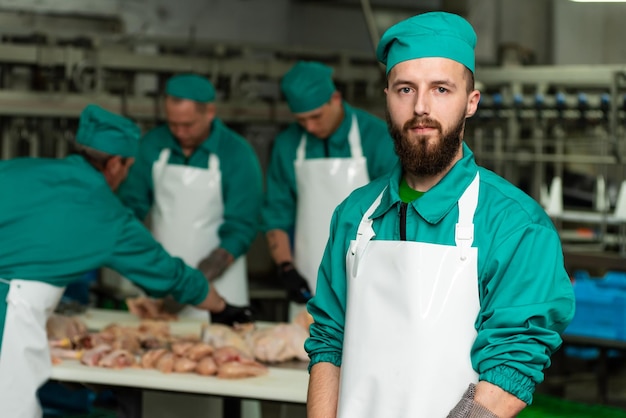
(63, 326)
(304, 319)
(279, 343)
(58, 354)
(149, 308)
(232, 364)
(92, 356)
(219, 335)
(150, 357)
(165, 363)
(199, 351)
(117, 359)
(180, 348)
(227, 352)
(237, 370)
(184, 365)
(206, 366)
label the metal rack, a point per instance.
(533, 123)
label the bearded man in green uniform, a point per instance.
(442, 291)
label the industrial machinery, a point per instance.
(534, 124)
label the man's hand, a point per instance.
(216, 263)
(149, 308)
(298, 289)
(232, 315)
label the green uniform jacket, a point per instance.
(279, 207)
(59, 219)
(526, 297)
(242, 180)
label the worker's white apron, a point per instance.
(187, 214)
(323, 183)
(410, 319)
(188, 211)
(25, 358)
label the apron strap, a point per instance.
(5, 281)
(464, 233)
(159, 165)
(364, 233)
(213, 163)
(164, 156)
(354, 138)
(300, 152)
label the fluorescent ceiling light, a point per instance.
(599, 1)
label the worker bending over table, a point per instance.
(60, 218)
(201, 183)
(329, 150)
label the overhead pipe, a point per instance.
(371, 24)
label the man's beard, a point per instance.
(416, 155)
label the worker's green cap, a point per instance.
(107, 132)
(191, 87)
(433, 34)
(307, 86)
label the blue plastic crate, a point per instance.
(600, 311)
(613, 279)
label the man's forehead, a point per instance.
(312, 114)
(431, 68)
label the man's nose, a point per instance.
(422, 104)
(310, 125)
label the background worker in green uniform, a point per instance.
(203, 184)
(59, 219)
(441, 274)
(330, 150)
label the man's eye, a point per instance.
(442, 89)
(405, 90)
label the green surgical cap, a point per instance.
(191, 87)
(433, 34)
(107, 132)
(307, 86)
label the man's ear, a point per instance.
(113, 165)
(472, 103)
(111, 170)
(211, 110)
(336, 96)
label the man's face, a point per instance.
(427, 104)
(324, 120)
(189, 124)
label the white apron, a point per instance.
(25, 358)
(188, 211)
(323, 183)
(410, 319)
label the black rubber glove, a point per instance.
(214, 265)
(298, 289)
(232, 315)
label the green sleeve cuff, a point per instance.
(235, 248)
(333, 358)
(201, 292)
(512, 381)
